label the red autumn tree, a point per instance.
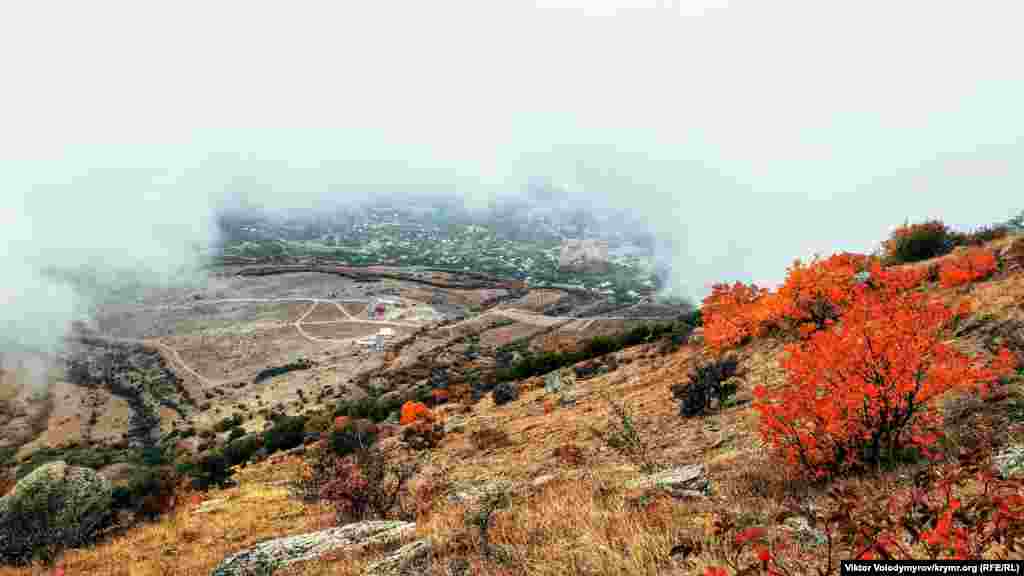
(862, 390)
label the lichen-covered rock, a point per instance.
(1010, 462)
(412, 559)
(683, 481)
(268, 556)
(56, 505)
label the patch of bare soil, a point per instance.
(343, 330)
(503, 335)
(325, 312)
(357, 310)
(239, 356)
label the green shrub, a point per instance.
(241, 450)
(287, 432)
(94, 457)
(235, 434)
(210, 469)
(300, 364)
(350, 439)
(505, 393)
(707, 382)
(229, 423)
(150, 456)
(318, 422)
(916, 242)
(7, 455)
(370, 408)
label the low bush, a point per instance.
(7, 455)
(150, 491)
(235, 434)
(505, 392)
(208, 470)
(228, 423)
(916, 242)
(365, 485)
(300, 364)
(708, 382)
(371, 407)
(94, 457)
(319, 422)
(622, 436)
(241, 450)
(287, 432)
(973, 265)
(354, 436)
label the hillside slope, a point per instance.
(572, 508)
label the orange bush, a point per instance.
(415, 411)
(726, 312)
(974, 264)
(862, 390)
(813, 297)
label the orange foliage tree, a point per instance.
(862, 390)
(974, 264)
(813, 297)
(727, 320)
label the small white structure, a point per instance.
(377, 342)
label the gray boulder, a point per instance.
(412, 559)
(54, 506)
(1010, 462)
(682, 481)
(268, 556)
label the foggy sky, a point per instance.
(745, 133)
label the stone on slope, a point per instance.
(412, 559)
(268, 556)
(56, 505)
(682, 481)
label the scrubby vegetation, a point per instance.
(536, 364)
(300, 364)
(709, 382)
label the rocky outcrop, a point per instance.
(268, 556)
(412, 559)
(1010, 462)
(56, 505)
(682, 482)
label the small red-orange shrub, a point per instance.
(414, 411)
(974, 264)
